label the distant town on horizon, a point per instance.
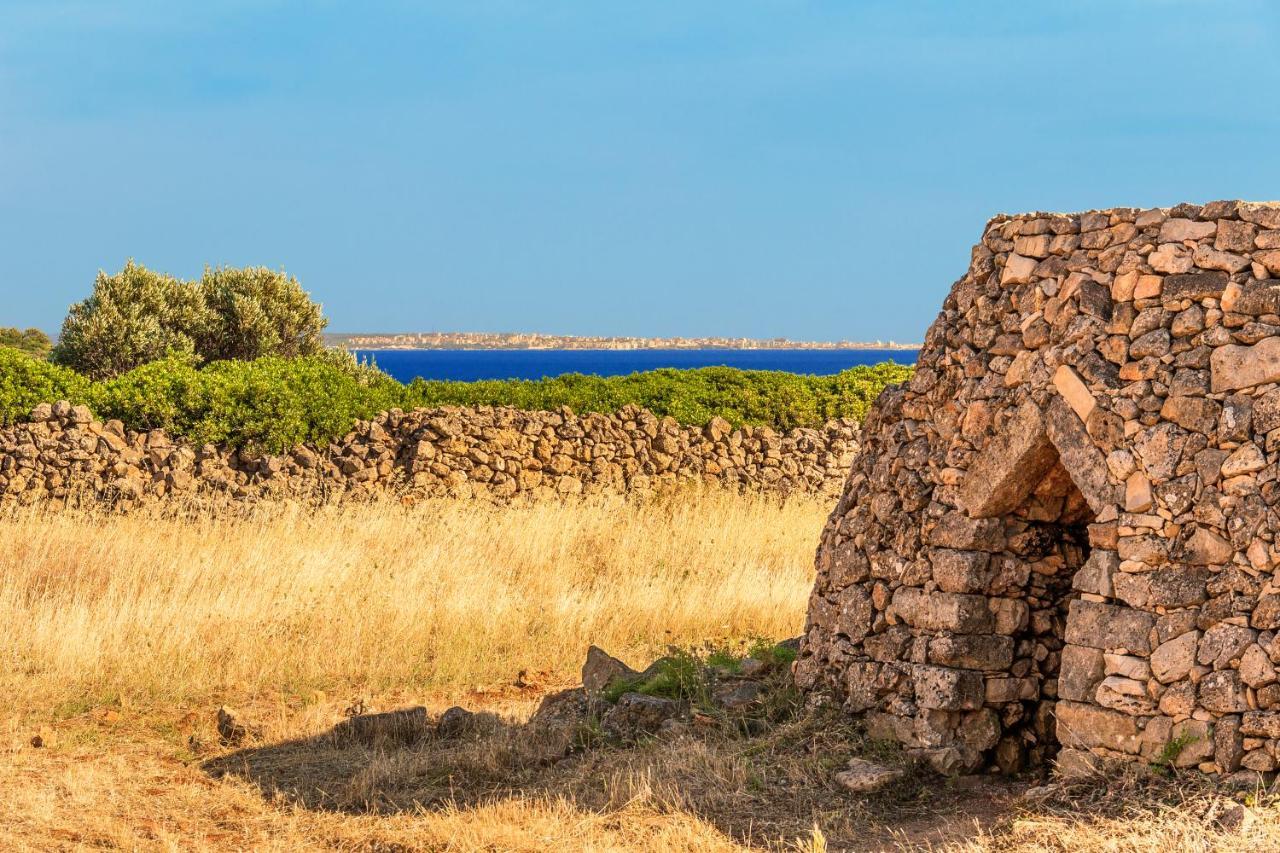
(536, 340)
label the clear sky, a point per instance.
(815, 170)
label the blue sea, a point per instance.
(469, 365)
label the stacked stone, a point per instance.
(495, 453)
(1062, 530)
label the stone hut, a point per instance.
(1060, 537)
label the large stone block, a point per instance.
(943, 688)
(1233, 367)
(1082, 726)
(853, 612)
(1172, 661)
(961, 571)
(1260, 724)
(1194, 286)
(1223, 643)
(1255, 297)
(1106, 626)
(1080, 671)
(1082, 459)
(1180, 586)
(942, 611)
(1095, 576)
(955, 530)
(972, 651)
(1074, 391)
(1222, 692)
(1010, 466)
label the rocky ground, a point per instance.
(730, 758)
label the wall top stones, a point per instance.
(1092, 432)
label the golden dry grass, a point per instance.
(124, 633)
(440, 595)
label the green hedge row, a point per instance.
(274, 403)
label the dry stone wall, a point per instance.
(497, 453)
(1062, 532)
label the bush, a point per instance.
(270, 403)
(26, 382)
(32, 341)
(781, 400)
(139, 316)
(273, 403)
(255, 312)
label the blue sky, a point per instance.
(815, 170)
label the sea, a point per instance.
(471, 364)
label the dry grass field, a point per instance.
(124, 633)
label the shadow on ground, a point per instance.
(768, 788)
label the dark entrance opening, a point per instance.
(1052, 543)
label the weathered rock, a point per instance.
(636, 714)
(1124, 694)
(386, 729)
(1223, 693)
(1082, 726)
(948, 689)
(1173, 660)
(1082, 668)
(1105, 626)
(1235, 367)
(863, 777)
(457, 722)
(737, 696)
(231, 732)
(943, 611)
(1011, 466)
(1223, 643)
(600, 668)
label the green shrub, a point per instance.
(139, 316)
(26, 382)
(270, 403)
(781, 400)
(273, 403)
(32, 341)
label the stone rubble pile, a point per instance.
(497, 453)
(614, 705)
(1062, 532)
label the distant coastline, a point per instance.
(537, 341)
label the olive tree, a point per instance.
(254, 312)
(132, 317)
(137, 316)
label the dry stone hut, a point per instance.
(1061, 534)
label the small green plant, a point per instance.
(771, 653)
(588, 734)
(1168, 757)
(691, 674)
(725, 660)
(681, 675)
(883, 750)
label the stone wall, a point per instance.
(497, 453)
(1062, 531)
